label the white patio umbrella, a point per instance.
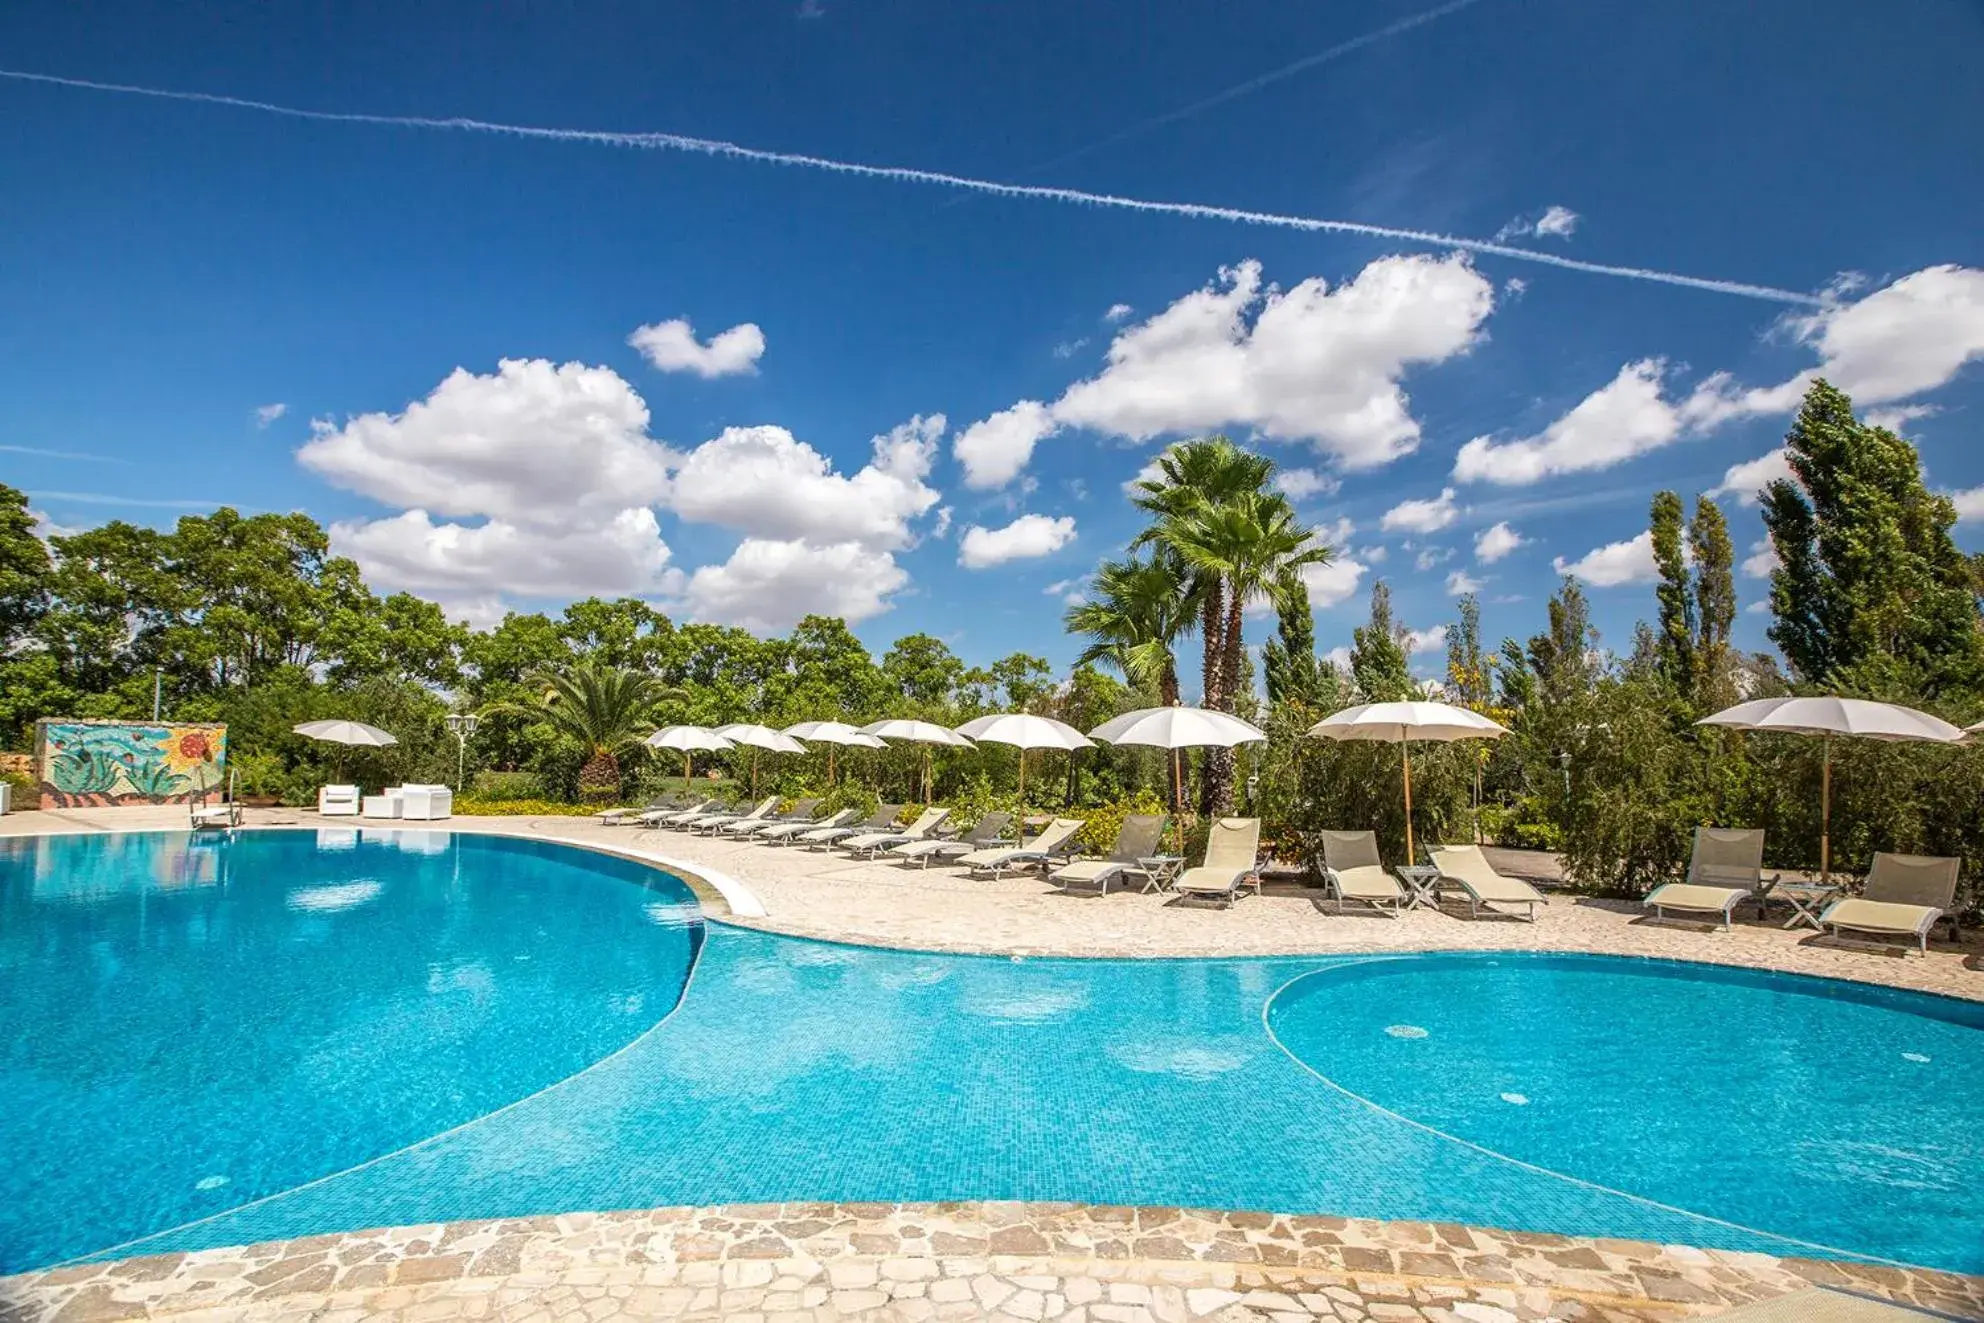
(831, 733)
(926, 733)
(687, 740)
(1405, 722)
(759, 737)
(1827, 717)
(1176, 728)
(347, 733)
(1024, 731)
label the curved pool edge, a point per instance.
(849, 1259)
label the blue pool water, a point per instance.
(258, 1009)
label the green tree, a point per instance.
(1868, 572)
(1469, 673)
(1674, 641)
(622, 632)
(1137, 611)
(1377, 660)
(1715, 606)
(25, 570)
(603, 709)
(921, 671)
(1289, 658)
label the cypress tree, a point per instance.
(1674, 641)
(1377, 661)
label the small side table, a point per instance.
(1806, 899)
(1422, 885)
(380, 806)
(1159, 870)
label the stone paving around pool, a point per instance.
(1074, 1263)
(1018, 1261)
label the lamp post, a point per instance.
(463, 725)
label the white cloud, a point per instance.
(1425, 640)
(996, 450)
(942, 525)
(1339, 657)
(1117, 312)
(1760, 607)
(533, 443)
(1908, 338)
(46, 528)
(1555, 223)
(1493, 543)
(1069, 348)
(1746, 481)
(1969, 504)
(1761, 560)
(672, 346)
(1309, 363)
(622, 555)
(1301, 484)
(1616, 563)
(1626, 417)
(1150, 472)
(1421, 516)
(268, 413)
(1899, 416)
(1428, 557)
(766, 483)
(1335, 582)
(1072, 592)
(1515, 287)
(767, 585)
(1026, 538)
(1460, 582)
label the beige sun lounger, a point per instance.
(882, 819)
(1904, 896)
(873, 842)
(1466, 867)
(987, 832)
(668, 817)
(801, 813)
(1050, 843)
(1825, 1304)
(713, 823)
(1354, 870)
(1725, 868)
(1136, 841)
(1232, 854)
(784, 833)
(614, 817)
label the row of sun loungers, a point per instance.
(1903, 895)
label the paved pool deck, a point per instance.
(1018, 1261)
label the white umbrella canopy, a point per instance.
(687, 739)
(1176, 728)
(1024, 731)
(1827, 716)
(917, 732)
(346, 732)
(1403, 723)
(831, 733)
(759, 737)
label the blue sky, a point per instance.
(915, 402)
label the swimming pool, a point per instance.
(804, 1070)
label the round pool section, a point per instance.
(1840, 1114)
(195, 1022)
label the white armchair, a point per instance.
(337, 801)
(426, 803)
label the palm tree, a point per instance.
(603, 708)
(1140, 609)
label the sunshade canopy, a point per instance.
(346, 732)
(829, 732)
(1406, 721)
(1857, 718)
(1178, 728)
(760, 737)
(915, 732)
(1025, 731)
(683, 739)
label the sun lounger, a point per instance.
(784, 833)
(1355, 871)
(1232, 855)
(872, 843)
(1724, 870)
(1051, 843)
(615, 817)
(759, 814)
(668, 817)
(882, 819)
(1468, 868)
(1826, 1304)
(1136, 840)
(984, 833)
(801, 811)
(1904, 896)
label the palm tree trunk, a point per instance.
(600, 777)
(1218, 776)
(1167, 693)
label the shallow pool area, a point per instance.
(796, 1069)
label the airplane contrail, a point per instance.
(676, 142)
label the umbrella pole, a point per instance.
(1022, 780)
(1177, 782)
(1405, 746)
(830, 767)
(1825, 817)
(685, 771)
(754, 773)
(926, 776)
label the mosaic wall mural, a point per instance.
(83, 764)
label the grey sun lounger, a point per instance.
(988, 831)
(784, 833)
(882, 819)
(1725, 869)
(1232, 855)
(871, 843)
(1136, 841)
(759, 813)
(1355, 871)
(1050, 844)
(1904, 896)
(615, 817)
(665, 817)
(1468, 868)
(801, 811)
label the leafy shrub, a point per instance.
(27, 791)
(1105, 820)
(470, 806)
(848, 795)
(509, 785)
